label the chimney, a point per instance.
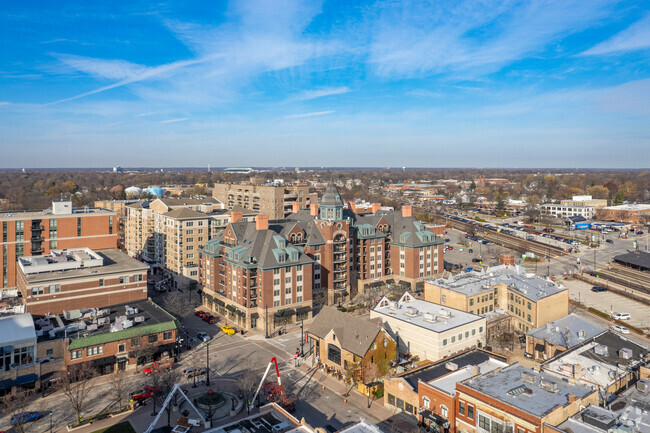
(235, 216)
(376, 207)
(572, 398)
(352, 206)
(295, 207)
(313, 210)
(407, 211)
(477, 371)
(262, 222)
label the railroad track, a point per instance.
(627, 277)
(509, 241)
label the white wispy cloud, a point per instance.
(179, 119)
(4, 103)
(635, 37)
(424, 93)
(319, 93)
(312, 114)
(481, 37)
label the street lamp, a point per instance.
(51, 412)
(207, 365)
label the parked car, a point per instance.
(476, 260)
(639, 232)
(209, 318)
(598, 289)
(194, 371)
(228, 330)
(200, 313)
(621, 316)
(620, 328)
(450, 248)
(23, 417)
(203, 336)
(447, 240)
(157, 366)
(144, 394)
(609, 241)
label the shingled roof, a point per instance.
(331, 196)
(184, 213)
(355, 334)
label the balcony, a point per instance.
(340, 277)
(340, 258)
(340, 249)
(340, 239)
(339, 286)
(37, 228)
(340, 267)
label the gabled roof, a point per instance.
(640, 259)
(355, 334)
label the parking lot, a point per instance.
(488, 253)
(609, 302)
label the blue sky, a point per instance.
(333, 83)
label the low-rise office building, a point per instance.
(563, 211)
(80, 278)
(343, 342)
(427, 330)
(585, 200)
(517, 399)
(531, 300)
(559, 335)
(119, 336)
(625, 213)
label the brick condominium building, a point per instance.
(338, 247)
(80, 278)
(33, 233)
(274, 201)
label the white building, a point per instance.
(563, 211)
(428, 330)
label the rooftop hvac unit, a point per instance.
(72, 314)
(643, 386)
(139, 319)
(548, 385)
(451, 366)
(102, 320)
(625, 353)
(445, 313)
(429, 317)
(529, 377)
(129, 311)
(601, 349)
(411, 311)
(601, 421)
(127, 324)
(92, 327)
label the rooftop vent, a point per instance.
(451, 366)
(444, 313)
(429, 317)
(518, 390)
(582, 334)
(643, 386)
(548, 385)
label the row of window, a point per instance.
(53, 288)
(460, 336)
(135, 342)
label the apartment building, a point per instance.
(33, 233)
(274, 201)
(121, 337)
(80, 278)
(564, 210)
(254, 277)
(531, 301)
(518, 400)
(428, 330)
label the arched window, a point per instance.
(443, 410)
(426, 402)
(293, 237)
(299, 237)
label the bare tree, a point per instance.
(75, 383)
(162, 383)
(247, 384)
(177, 305)
(119, 386)
(15, 406)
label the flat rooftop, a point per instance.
(575, 327)
(629, 207)
(447, 383)
(526, 389)
(527, 285)
(78, 263)
(431, 372)
(427, 315)
(20, 215)
(94, 326)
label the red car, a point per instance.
(156, 367)
(200, 313)
(144, 394)
(209, 318)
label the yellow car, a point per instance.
(228, 330)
